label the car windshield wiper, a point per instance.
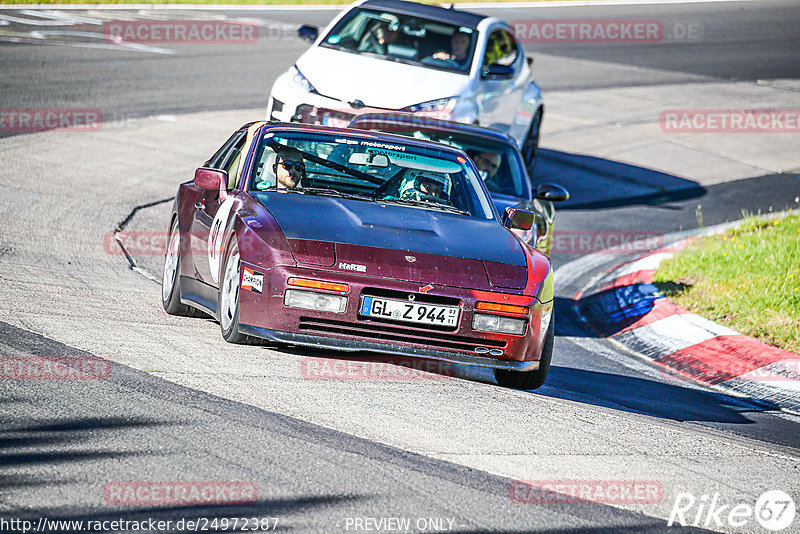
(333, 165)
(328, 192)
(426, 204)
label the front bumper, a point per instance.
(348, 345)
(289, 103)
(265, 315)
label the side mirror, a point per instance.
(496, 71)
(308, 33)
(211, 179)
(518, 219)
(551, 192)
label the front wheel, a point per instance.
(228, 301)
(530, 379)
(530, 147)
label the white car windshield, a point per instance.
(369, 170)
(404, 39)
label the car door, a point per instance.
(500, 94)
(211, 215)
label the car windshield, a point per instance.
(370, 170)
(500, 164)
(404, 39)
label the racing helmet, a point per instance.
(419, 184)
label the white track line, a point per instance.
(37, 38)
(63, 17)
(34, 22)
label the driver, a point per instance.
(459, 47)
(289, 168)
(488, 163)
(379, 38)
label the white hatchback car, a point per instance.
(381, 55)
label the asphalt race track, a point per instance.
(180, 405)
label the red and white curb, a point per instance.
(627, 308)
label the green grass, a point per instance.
(747, 278)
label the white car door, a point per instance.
(502, 81)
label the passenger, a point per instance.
(420, 186)
(431, 187)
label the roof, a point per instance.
(395, 138)
(437, 13)
(430, 124)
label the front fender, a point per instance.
(261, 240)
(532, 101)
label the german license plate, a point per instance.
(410, 312)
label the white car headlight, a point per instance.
(311, 300)
(443, 104)
(497, 323)
(301, 81)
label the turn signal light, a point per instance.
(318, 284)
(505, 308)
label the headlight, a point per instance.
(301, 81)
(311, 300)
(499, 324)
(443, 104)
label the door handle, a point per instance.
(199, 206)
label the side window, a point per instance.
(501, 48)
(233, 161)
(218, 159)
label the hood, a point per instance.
(379, 83)
(398, 242)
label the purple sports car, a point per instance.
(359, 241)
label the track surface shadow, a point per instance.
(598, 183)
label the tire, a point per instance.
(228, 296)
(530, 147)
(530, 379)
(171, 277)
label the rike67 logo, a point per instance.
(774, 510)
